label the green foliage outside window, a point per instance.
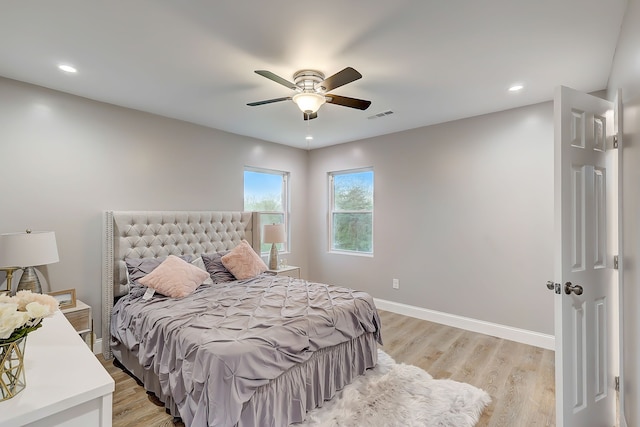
(352, 232)
(267, 203)
(352, 212)
(266, 192)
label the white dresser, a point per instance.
(66, 384)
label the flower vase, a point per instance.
(12, 380)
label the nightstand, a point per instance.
(81, 320)
(289, 270)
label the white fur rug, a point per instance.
(395, 394)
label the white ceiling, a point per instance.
(428, 61)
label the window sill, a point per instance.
(360, 254)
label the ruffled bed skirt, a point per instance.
(286, 399)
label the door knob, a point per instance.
(576, 289)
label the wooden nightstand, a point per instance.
(81, 320)
(289, 270)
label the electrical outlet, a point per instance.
(396, 284)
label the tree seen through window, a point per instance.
(265, 191)
(352, 211)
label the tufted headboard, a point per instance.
(154, 234)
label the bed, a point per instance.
(259, 351)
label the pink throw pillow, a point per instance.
(243, 262)
(174, 278)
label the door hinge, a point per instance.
(615, 262)
(617, 383)
(615, 141)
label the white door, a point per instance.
(585, 236)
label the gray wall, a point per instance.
(65, 160)
(463, 217)
(625, 75)
(464, 210)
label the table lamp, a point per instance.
(24, 251)
(274, 233)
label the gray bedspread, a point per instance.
(213, 349)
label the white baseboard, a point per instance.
(501, 331)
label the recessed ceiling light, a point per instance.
(516, 88)
(67, 68)
(309, 138)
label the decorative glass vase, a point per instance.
(12, 379)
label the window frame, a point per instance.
(286, 246)
(332, 211)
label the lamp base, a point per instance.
(9, 271)
(273, 257)
(29, 281)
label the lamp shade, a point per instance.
(309, 101)
(28, 249)
(274, 233)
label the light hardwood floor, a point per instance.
(519, 378)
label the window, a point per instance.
(266, 191)
(351, 204)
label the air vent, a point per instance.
(383, 114)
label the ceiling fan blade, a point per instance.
(277, 79)
(311, 116)
(340, 78)
(268, 101)
(360, 104)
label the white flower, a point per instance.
(35, 309)
(23, 313)
(10, 321)
(7, 308)
(47, 300)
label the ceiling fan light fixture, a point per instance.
(309, 102)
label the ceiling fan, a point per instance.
(312, 88)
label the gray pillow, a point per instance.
(137, 268)
(216, 270)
